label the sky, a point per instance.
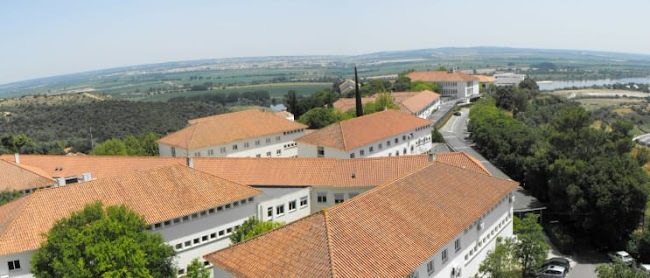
(47, 38)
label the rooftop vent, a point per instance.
(17, 158)
(354, 175)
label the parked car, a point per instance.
(553, 271)
(563, 262)
(457, 113)
(622, 257)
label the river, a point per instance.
(554, 85)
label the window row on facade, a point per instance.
(489, 235)
(293, 131)
(206, 238)
(321, 197)
(196, 215)
(380, 146)
(292, 205)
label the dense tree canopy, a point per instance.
(103, 243)
(141, 145)
(197, 270)
(320, 117)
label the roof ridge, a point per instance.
(29, 170)
(345, 145)
(329, 242)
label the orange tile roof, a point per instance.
(158, 194)
(345, 104)
(462, 160)
(418, 101)
(229, 127)
(21, 177)
(353, 133)
(283, 114)
(440, 76)
(385, 232)
(485, 78)
(98, 166)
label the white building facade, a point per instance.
(508, 79)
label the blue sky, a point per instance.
(45, 38)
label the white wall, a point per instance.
(283, 200)
(286, 146)
(426, 112)
(410, 144)
(330, 192)
(25, 266)
(475, 244)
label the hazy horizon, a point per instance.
(43, 39)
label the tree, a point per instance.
(618, 270)
(7, 196)
(320, 117)
(529, 84)
(436, 136)
(197, 270)
(292, 101)
(531, 248)
(111, 147)
(95, 242)
(642, 156)
(501, 262)
(251, 228)
(504, 97)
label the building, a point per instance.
(285, 115)
(439, 221)
(384, 133)
(453, 84)
(249, 133)
(508, 79)
(347, 86)
(485, 81)
(420, 104)
(26, 179)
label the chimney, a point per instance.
(86, 177)
(357, 94)
(432, 157)
(17, 158)
(60, 181)
(190, 162)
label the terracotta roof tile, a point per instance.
(440, 76)
(462, 160)
(345, 104)
(385, 232)
(418, 101)
(229, 127)
(21, 177)
(158, 194)
(484, 78)
(353, 133)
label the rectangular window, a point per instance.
(457, 245)
(277, 138)
(179, 246)
(229, 231)
(396, 140)
(181, 271)
(173, 151)
(204, 238)
(234, 147)
(213, 235)
(188, 243)
(361, 152)
(210, 152)
(257, 143)
(269, 212)
(246, 145)
(303, 201)
(14, 265)
(387, 143)
(320, 151)
(444, 255)
(268, 154)
(268, 140)
(352, 155)
(371, 149)
(430, 268)
(258, 155)
(278, 152)
(338, 198)
(322, 197)
(197, 240)
(403, 137)
(279, 210)
(222, 232)
(222, 149)
(381, 146)
(292, 205)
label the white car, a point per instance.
(621, 256)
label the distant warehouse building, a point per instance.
(453, 84)
(250, 133)
(508, 79)
(385, 133)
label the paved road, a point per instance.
(445, 106)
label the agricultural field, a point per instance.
(276, 90)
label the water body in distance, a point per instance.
(554, 85)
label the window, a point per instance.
(430, 267)
(322, 197)
(204, 238)
(243, 201)
(197, 240)
(338, 198)
(292, 205)
(229, 231)
(279, 210)
(444, 255)
(203, 213)
(362, 152)
(13, 265)
(268, 154)
(219, 208)
(268, 140)
(181, 271)
(179, 246)
(277, 138)
(197, 154)
(370, 149)
(387, 143)
(234, 147)
(177, 220)
(396, 140)
(381, 146)
(412, 148)
(228, 206)
(258, 155)
(403, 137)
(413, 274)
(320, 151)
(188, 243)
(352, 155)
(195, 215)
(222, 232)
(257, 143)
(404, 151)
(173, 151)
(235, 203)
(303, 201)
(213, 235)
(269, 212)
(278, 152)
(157, 225)
(457, 245)
(246, 145)
(210, 152)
